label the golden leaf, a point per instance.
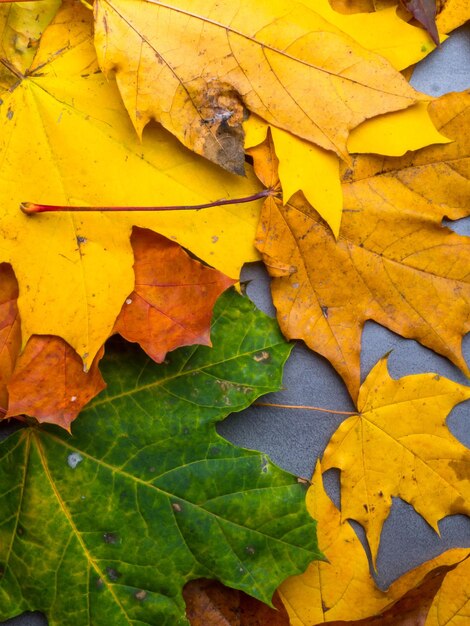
(211, 61)
(393, 263)
(342, 588)
(399, 446)
(75, 269)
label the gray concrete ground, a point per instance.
(294, 439)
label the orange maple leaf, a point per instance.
(393, 263)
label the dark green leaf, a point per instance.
(106, 526)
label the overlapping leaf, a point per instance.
(49, 384)
(380, 31)
(402, 421)
(330, 591)
(21, 26)
(393, 262)
(208, 603)
(171, 306)
(451, 605)
(450, 13)
(211, 61)
(10, 331)
(342, 590)
(107, 526)
(453, 14)
(82, 150)
(316, 172)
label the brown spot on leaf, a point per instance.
(221, 125)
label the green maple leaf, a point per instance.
(106, 526)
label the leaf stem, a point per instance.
(304, 407)
(30, 208)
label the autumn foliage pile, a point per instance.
(282, 131)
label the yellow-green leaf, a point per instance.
(21, 26)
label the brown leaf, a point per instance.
(171, 305)
(49, 382)
(10, 329)
(393, 263)
(209, 603)
(425, 12)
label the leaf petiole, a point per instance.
(30, 208)
(304, 407)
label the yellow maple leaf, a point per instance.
(393, 262)
(450, 13)
(382, 32)
(342, 588)
(329, 590)
(75, 270)
(399, 446)
(451, 604)
(305, 167)
(210, 61)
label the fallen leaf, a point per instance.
(451, 604)
(78, 270)
(381, 31)
(209, 603)
(171, 305)
(412, 608)
(399, 446)
(453, 14)
(425, 12)
(450, 13)
(316, 172)
(303, 166)
(49, 383)
(393, 263)
(10, 330)
(108, 525)
(394, 134)
(21, 26)
(212, 61)
(342, 588)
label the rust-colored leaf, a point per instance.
(171, 305)
(49, 382)
(393, 263)
(10, 329)
(209, 603)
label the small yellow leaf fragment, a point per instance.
(315, 171)
(395, 133)
(382, 32)
(303, 166)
